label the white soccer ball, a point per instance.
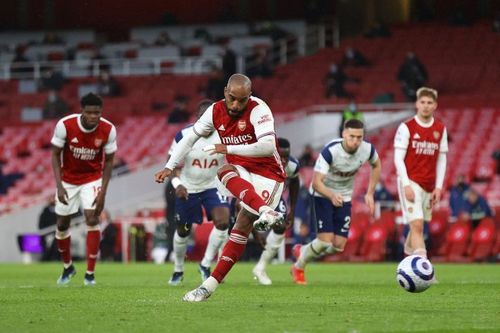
(415, 274)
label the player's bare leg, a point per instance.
(230, 255)
(274, 241)
(63, 239)
(217, 239)
(416, 236)
(93, 242)
(244, 190)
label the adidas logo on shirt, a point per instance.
(75, 140)
(221, 128)
(416, 136)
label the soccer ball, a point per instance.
(415, 274)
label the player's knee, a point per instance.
(226, 169)
(184, 230)
(279, 229)
(417, 226)
(221, 224)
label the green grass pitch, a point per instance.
(339, 298)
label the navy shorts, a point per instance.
(189, 211)
(329, 218)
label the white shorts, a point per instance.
(83, 195)
(268, 189)
(421, 209)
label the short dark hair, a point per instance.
(283, 143)
(354, 123)
(91, 99)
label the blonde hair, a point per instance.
(429, 92)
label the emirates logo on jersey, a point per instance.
(436, 134)
(98, 142)
(242, 124)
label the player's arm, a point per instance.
(110, 149)
(321, 169)
(440, 169)
(374, 179)
(62, 195)
(58, 141)
(106, 177)
(203, 127)
(263, 123)
(401, 141)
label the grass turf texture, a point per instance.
(339, 298)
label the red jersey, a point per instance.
(423, 144)
(255, 122)
(83, 149)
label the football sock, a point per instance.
(93, 241)
(216, 240)
(180, 248)
(332, 250)
(231, 254)
(242, 190)
(273, 243)
(313, 250)
(63, 239)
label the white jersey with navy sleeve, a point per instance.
(340, 166)
(292, 168)
(200, 168)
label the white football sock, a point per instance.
(210, 284)
(313, 250)
(180, 248)
(332, 250)
(273, 243)
(216, 240)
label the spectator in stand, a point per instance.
(48, 219)
(107, 85)
(164, 39)
(228, 63)
(55, 107)
(382, 193)
(353, 57)
(335, 80)
(378, 29)
(215, 85)
(51, 80)
(20, 64)
(496, 22)
(412, 75)
(476, 208)
(51, 38)
(262, 66)
(179, 114)
(308, 157)
(458, 195)
(350, 112)
(108, 238)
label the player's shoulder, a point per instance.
(257, 104)
(333, 144)
(68, 119)
(438, 123)
(183, 132)
(106, 122)
(294, 160)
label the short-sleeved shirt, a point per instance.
(256, 121)
(292, 168)
(200, 168)
(340, 167)
(423, 143)
(83, 149)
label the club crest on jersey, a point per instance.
(98, 142)
(242, 124)
(436, 134)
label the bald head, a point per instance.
(239, 81)
(237, 93)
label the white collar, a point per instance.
(426, 125)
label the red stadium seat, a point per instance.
(482, 241)
(374, 243)
(455, 245)
(437, 233)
